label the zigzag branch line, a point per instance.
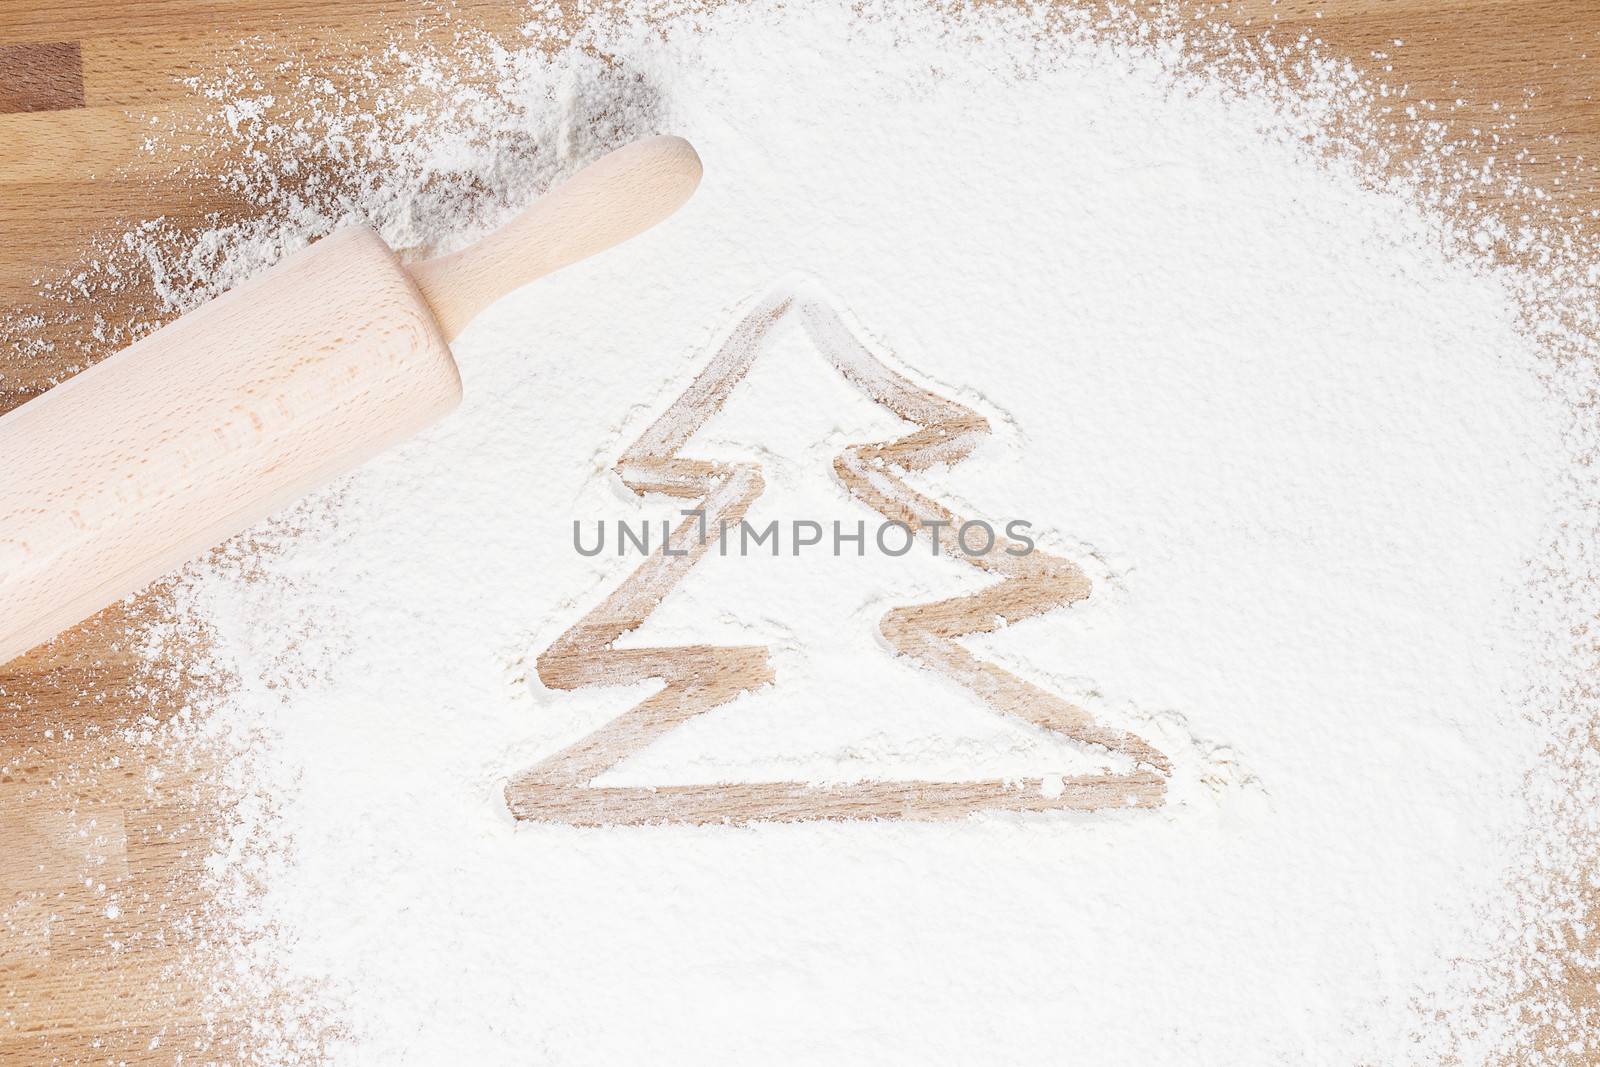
(701, 677)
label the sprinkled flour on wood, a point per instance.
(1314, 450)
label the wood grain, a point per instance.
(40, 77)
(80, 806)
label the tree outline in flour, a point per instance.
(701, 677)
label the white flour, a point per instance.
(1311, 456)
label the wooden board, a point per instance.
(85, 815)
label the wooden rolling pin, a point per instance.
(173, 445)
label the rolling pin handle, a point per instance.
(617, 196)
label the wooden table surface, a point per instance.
(85, 814)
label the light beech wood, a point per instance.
(209, 425)
(621, 194)
(149, 458)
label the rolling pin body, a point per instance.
(147, 459)
(154, 455)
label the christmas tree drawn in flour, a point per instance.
(698, 678)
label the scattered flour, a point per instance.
(1319, 457)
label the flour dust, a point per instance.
(1314, 450)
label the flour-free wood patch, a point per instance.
(40, 77)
